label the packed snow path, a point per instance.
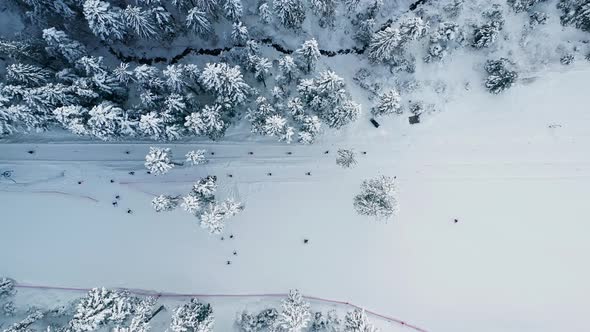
(514, 170)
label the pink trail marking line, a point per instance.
(143, 292)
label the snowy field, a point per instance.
(512, 169)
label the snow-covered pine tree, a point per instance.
(412, 28)
(104, 22)
(7, 288)
(59, 44)
(27, 75)
(23, 325)
(207, 122)
(325, 323)
(288, 68)
(142, 314)
(365, 30)
(105, 120)
(140, 22)
(357, 321)
(261, 67)
(290, 13)
(17, 118)
(21, 49)
(123, 74)
(295, 108)
(191, 203)
(310, 129)
(576, 13)
(152, 125)
(205, 189)
(343, 113)
(226, 82)
(325, 10)
(71, 118)
(522, 5)
(249, 322)
(264, 13)
(162, 203)
(91, 65)
(500, 77)
(346, 158)
(159, 160)
(198, 22)
(231, 207)
(377, 198)
(193, 316)
(196, 157)
(239, 33)
(308, 54)
(384, 44)
(233, 9)
(213, 218)
(163, 20)
(485, 35)
(99, 307)
(295, 314)
(175, 78)
(388, 103)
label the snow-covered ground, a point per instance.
(512, 169)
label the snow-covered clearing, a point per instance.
(513, 169)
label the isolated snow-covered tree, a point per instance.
(59, 44)
(163, 203)
(104, 22)
(388, 103)
(412, 28)
(28, 75)
(191, 203)
(159, 160)
(357, 321)
(207, 122)
(233, 9)
(98, 308)
(378, 198)
(346, 158)
(140, 22)
(295, 314)
(500, 76)
(193, 316)
(264, 13)
(198, 22)
(196, 157)
(231, 207)
(290, 13)
(308, 54)
(226, 82)
(261, 67)
(213, 218)
(485, 35)
(325, 323)
(384, 44)
(239, 33)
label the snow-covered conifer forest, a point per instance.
(294, 165)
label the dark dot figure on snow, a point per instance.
(289, 152)
(364, 152)
(31, 151)
(230, 176)
(148, 172)
(250, 153)
(222, 238)
(456, 220)
(79, 182)
(127, 152)
(235, 253)
(129, 211)
(228, 262)
(115, 204)
(308, 173)
(112, 181)
(327, 151)
(117, 197)
(132, 173)
(212, 153)
(231, 236)
(306, 241)
(269, 174)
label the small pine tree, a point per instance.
(346, 158)
(196, 157)
(28, 75)
(485, 35)
(290, 13)
(500, 76)
(226, 82)
(388, 103)
(264, 13)
(193, 316)
(325, 323)
(162, 203)
(288, 68)
(99, 307)
(159, 160)
(357, 321)
(140, 22)
(207, 122)
(239, 33)
(377, 198)
(233, 9)
(325, 10)
(295, 315)
(308, 54)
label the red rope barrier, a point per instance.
(143, 292)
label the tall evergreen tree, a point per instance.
(308, 54)
(104, 22)
(291, 13)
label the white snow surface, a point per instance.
(514, 169)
